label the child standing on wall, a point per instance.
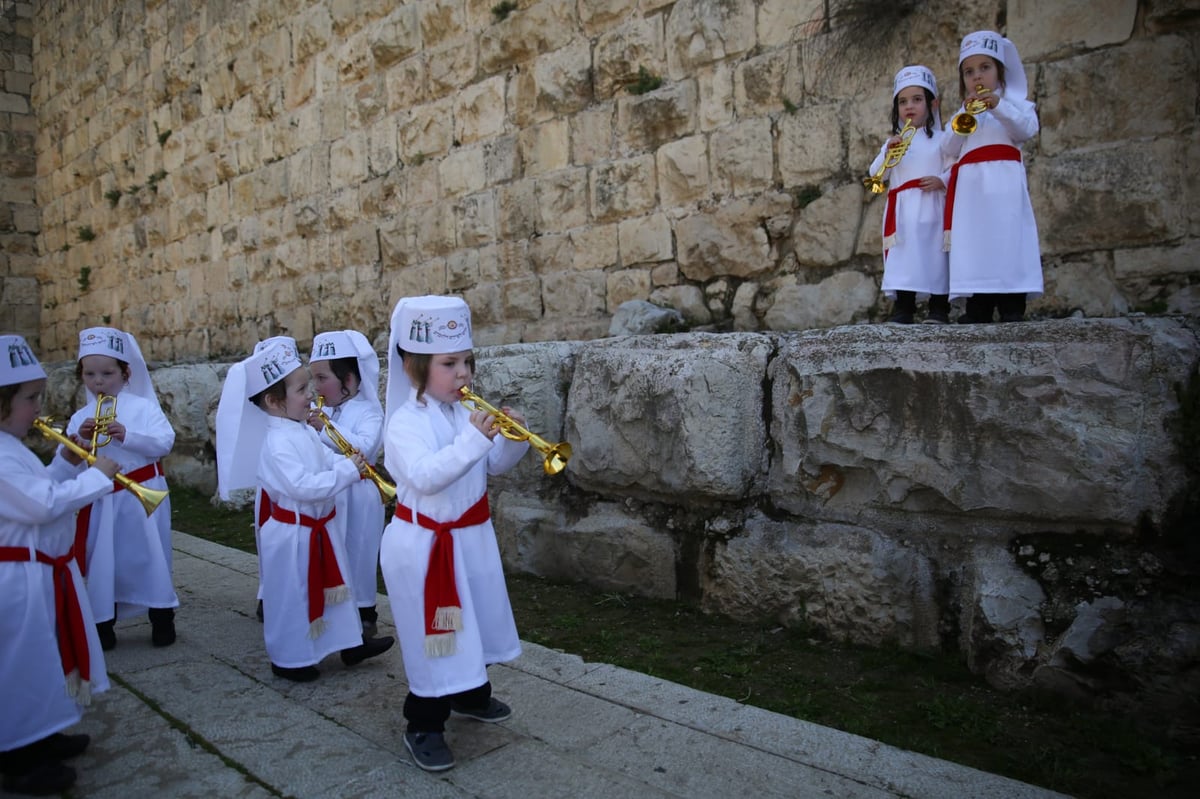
(440, 559)
(990, 231)
(125, 554)
(50, 662)
(345, 371)
(914, 262)
(264, 441)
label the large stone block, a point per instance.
(647, 121)
(621, 52)
(732, 240)
(843, 298)
(623, 188)
(743, 158)
(700, 32)
(1044, 29)
(682, 171)
(669, 417)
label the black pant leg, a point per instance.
(426, 713)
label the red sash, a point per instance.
(989, 152)
(443, 610)
(72, 638)
(889, 212)
(83, 519)
(323, 572)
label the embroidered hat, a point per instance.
(351, 344)
(123, 346)
(990, 43)
(18, 364)
(423, 325)
(914, 75)
(242, 425)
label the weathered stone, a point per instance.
(682, 171)
(742, 158)
(639, 317)
(622, 52)
(700, 32)
(688, 300)
(645, 239)
(622, 189)
(1042, 29)
(729, 241)
(840, 299)
(648, 121)
(1002, 617)
(820, 236)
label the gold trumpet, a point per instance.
(964, 122)
(555, 455)
(891, 158)
(386, 490)
(149, 497)
(106, 414)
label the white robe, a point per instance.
(301, 475)
(129, 554)
(37, 505)
(361, 423)
(441, 470)
(916, 261)
(994, 241)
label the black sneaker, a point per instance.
(901, 318)
(493, 712)
(429, 750)
(937, 318)
(45, 779)
(107, 633)
(302, 674)
(367, 649)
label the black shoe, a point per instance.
(258, 612)
(367, 649)
(369, 618)
(60, 746)
(107, 633)
(901, 318)
(937, 318)
(429, 750)
(302, 674)
(162, 626)
(45, 779)
(494, 711)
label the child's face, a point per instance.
(980, 70)
(26, 405)
(297, 399)
(448, 372)
(102, 374)
(328, 386)
(910, 102)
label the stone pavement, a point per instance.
(206, 718)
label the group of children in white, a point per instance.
(958, 220)
(65, 577)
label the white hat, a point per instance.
(242, 425)
(990, 43)
(21, 365)
(124, 347)
(424, 325)
(351, 344)
(914, 75)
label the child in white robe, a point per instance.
(914, 261)
(990, 230)
(440, 559)
(125, 553)
(345, 372)
(50, 664)
(263, 441)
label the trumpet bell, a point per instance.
(874, 184)
(964, 124)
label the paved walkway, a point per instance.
(205, 718)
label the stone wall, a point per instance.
(19, 216)
(212, 173)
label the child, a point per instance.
(345, 370)
(50, 661)
(914, 263)
(990, 230)
(440, 559)
(263, 439)
(125, 554)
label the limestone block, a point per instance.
(695, 402)
(635, 317)
(541, 27)
(451, 67)
(348, 160)
(428, 277)
(1156, 262)
(820, 235)
(842, 298)
(522, 299)
(742, 308)
(1046, 29)
(421, 184)
(551, 253)
(428, 131)
(852, 583)
(312, 31)
(1002, 617)
(476, 219)
(1058, 422)
(700, 32)
(545, 148)
(1109, 198)
(397, 242)
(435, 229)
(621, 52)
(395, 38)
(518, 214)
(811, 147)
(688, 300)
(479, 111)
(406, 84)
(763, 83)
(682, 168)
(441, 20)
(596, 16)
(623, 188)
(730, 240)
(645, 122)
(624, 286)
(1086, 284)
(573, 294)
(1146, 73)
(781, 21)
(592, 135)
(645, 239)
(382, 155)
(501, 160)
(562, 200)
(870, 238)
(462, 271)
(742, 157)
(461, 171)
(595, 247)
(715, 89)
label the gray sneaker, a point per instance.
(494, 711)
(429, 750)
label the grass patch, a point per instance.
(921, 701)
